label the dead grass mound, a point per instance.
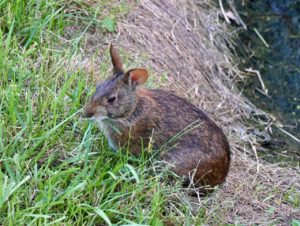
(187, 41)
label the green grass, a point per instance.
(55, 167)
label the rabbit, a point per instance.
(185, 136)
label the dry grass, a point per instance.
(189, 42)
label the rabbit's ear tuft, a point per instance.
(116, 60)
(138, 76)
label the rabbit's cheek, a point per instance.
(101, 111)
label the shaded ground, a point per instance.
(278, 62)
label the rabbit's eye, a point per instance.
(111, 99)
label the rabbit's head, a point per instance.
(116, 97)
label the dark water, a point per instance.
(278, 21)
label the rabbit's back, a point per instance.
(172, 115)
(190, 138)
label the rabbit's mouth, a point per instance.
(100, 118)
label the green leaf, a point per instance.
(157, 222)
(109, 24)
(271, 210)
(132, 170)
(295, 223)
(102, 215)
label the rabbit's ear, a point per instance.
(137, 76)
(116, 60)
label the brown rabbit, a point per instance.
(187, 138)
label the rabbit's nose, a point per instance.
(88, 112)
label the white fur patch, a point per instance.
(104, 128)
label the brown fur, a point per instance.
(186, 137)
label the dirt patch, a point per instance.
(188, 43)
